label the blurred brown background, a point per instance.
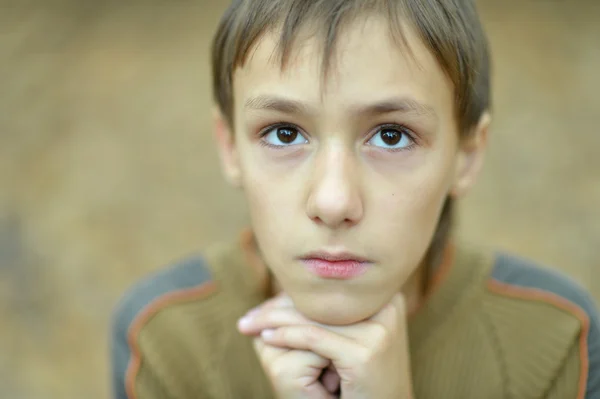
(107, 167)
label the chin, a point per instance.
(336, 310)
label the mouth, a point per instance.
(336, 265)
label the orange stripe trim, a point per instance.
(145, 315)
(438, 277)
(561, 303)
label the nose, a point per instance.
(334, 199)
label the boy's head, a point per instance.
(350, 125)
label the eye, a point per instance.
(283, 136)
(393, 138)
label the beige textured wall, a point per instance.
(107, 168)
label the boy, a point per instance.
(352, 126)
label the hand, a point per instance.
(293, 373)
(371, 357)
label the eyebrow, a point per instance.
(275, 103)
(405, 105)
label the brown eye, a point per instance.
(391, 137)
(283, 136)
(287, 135)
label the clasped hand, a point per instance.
(305, 359)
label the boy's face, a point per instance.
(360, 165)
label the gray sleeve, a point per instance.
(593, 344)
(120, 353)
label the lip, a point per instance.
(333, 256)
(336, 265)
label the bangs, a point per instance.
(446, 28)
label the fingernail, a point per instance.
(244, 322)
(267, 334)
(252, 312)
(287, 301)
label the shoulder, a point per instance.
(186, 280)
(219, 270)
(178, 320)
(543, 308)
(515, 276)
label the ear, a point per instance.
(228, 154)
(470, 157)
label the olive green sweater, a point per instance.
(493, 326)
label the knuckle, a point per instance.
(279, 371)
(312, 334)
(383, 344)
(288, 377)
(364, 356)
(379, 332)
(400, 304)
(381, 341)
(395, 315)
(381, 337)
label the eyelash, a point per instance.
(267, 129)
(401, 128)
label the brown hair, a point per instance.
(450, 29)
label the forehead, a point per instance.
(366, 64)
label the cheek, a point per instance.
(267, 194)
(273, 199)
(414, 191)
(409, 212)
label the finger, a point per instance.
(270, 318)
(295, 367)
(296, 374)
(262, 319)
(280, 301)
(331, 380)
(393, 314)
(267, 353)
(342, 351)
